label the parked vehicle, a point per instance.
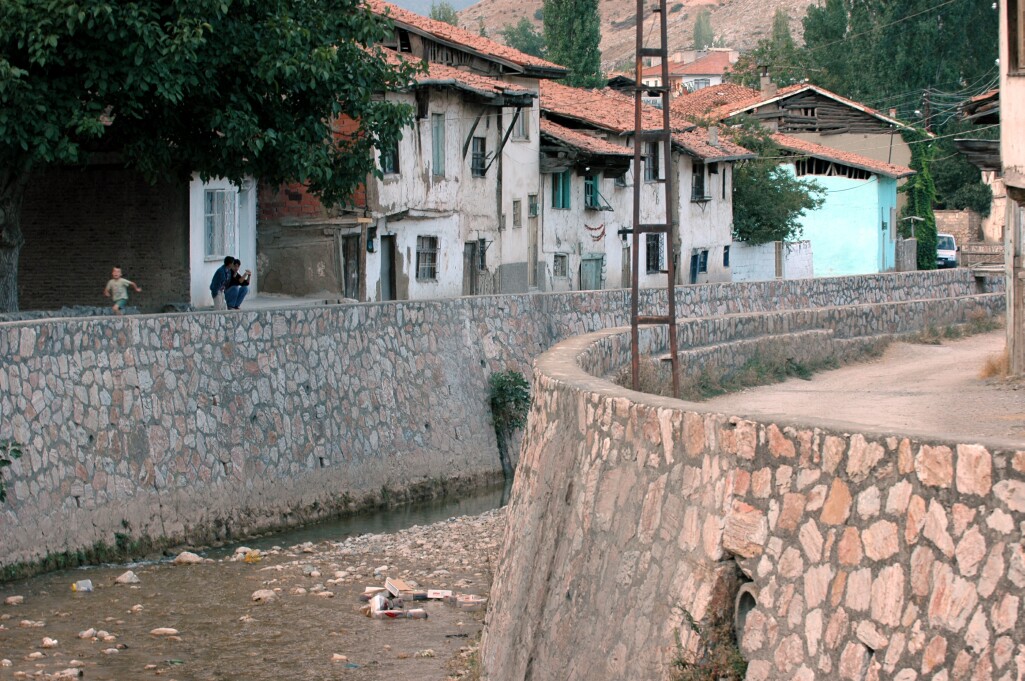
(946, 251)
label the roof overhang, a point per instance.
(505, 98)
(825, 93)
(983, 154)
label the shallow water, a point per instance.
(223, 634)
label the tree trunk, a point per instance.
(12, 191)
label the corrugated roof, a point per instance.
(458, 36)
(583, 141)
(805, 148)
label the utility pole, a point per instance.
(1015, 285)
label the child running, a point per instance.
(117, 288)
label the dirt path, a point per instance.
(926, 390)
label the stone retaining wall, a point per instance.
(868, 555)
(189, 427)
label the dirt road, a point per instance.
(925, 390)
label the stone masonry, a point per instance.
(864, 555)
(192, 427)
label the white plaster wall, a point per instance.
(520, 178)
(705, 224)
(1012, 112)
(449, 282)
(758, 263)
(202, 269)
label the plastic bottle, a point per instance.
(82, 586)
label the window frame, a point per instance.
(654, 258)
(438, 144)
(517, 211)
(703, 261)
(479, 157)
(698, 182)
(562, 258)
(592, 194)
(533, 206)
(561, 185)
(651, 161)
(427, 247)
(1015, 37)
(227, 232)
(521, 128)
(391, 154)
(726, 256)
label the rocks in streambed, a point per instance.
(187, 558)
(49, 642)
(128, 577)
(14, 600)
(163, 631)
(263, 596)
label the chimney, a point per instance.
(767, 86)
(713, 135)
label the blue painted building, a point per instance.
(855, 230)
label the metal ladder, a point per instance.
(641, 138)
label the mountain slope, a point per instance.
(741, 23)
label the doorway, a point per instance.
(470, 265)
(350, 266)
(590, 273)
(388, 267)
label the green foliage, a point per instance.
(510, 400)
(718, 658)
(704, 36)
(232, 89)
(9, 451)
(524, 37)
(572, 32)
(921, 197)
(959, 184)
(768, 201)
(779, 53)
(443, 11)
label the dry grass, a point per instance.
(996, 366)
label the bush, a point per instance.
(510, 400)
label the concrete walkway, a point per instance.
(912, 389)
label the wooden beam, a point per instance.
(469, 136)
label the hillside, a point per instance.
(740, 22)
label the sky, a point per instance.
(424, 6)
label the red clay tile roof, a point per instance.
(613, 111)
(701, 103)
(605, 109)
(439, 74)
(712, 64)
(696, 143)
(805, 148)
(583, 141)
(456, 35)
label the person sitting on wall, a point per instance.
(222, 277)
(238, 286)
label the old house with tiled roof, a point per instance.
(855, 152)
(587, 176)
(452, 213)
(705, 70)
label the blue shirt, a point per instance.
(221, 278)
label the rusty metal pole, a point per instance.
(635, 235)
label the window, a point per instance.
(650, 158)
(560, 190)
(532, 205)
(219, 222)
(1016, 36)
(809, 112)
(722, 179)
(653, 253)
(819, 166)
(697, 187)
(591, 195)
(390, 158)
(438, 141)
(517, 213)
(725, 256)
(482, 253)
(427, 258)
(703, 261)
(621, 180)
(521, 129)
(560, 265)
(478, 163)
(699, 83)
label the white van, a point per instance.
(946, 251)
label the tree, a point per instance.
(704, 36)
(768, 201)
(779, 53)
(230, 89)
(921, 197)
(524, 37)
(443, 11)
(572, 31)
